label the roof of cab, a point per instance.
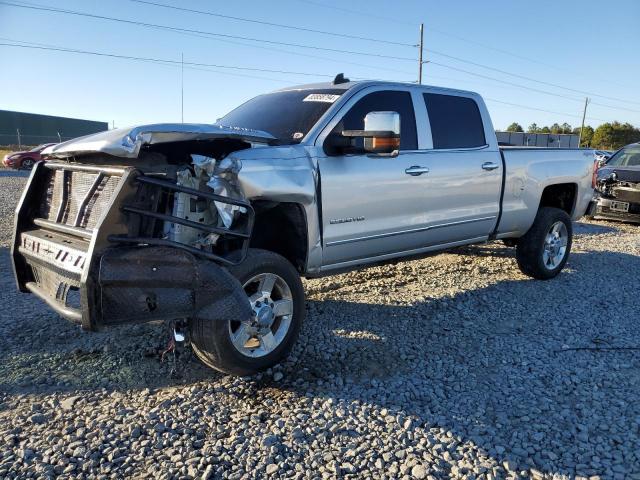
(367, 83)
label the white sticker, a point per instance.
(321, 97)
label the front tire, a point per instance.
(276, 295)
(543, 251)
(27, 164)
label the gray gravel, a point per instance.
(456, 366)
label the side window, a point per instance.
(384, 101)
(455, 121)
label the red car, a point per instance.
(25, 160)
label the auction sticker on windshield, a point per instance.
(321, 97)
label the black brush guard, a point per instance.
(86, 242)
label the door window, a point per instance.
(384, 101)
(455, 121)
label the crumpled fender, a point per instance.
(140, 284)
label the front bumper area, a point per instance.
(7, 162)
(72, 249)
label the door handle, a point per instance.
(416, 170)
(490, 166)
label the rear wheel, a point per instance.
(543, 251)
(274, 291)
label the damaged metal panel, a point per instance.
(284, 174)
(139, 284)
(127, 142)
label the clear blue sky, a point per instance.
(585, 46)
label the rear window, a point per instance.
(627, 157)
(455, 121)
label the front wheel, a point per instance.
(543, 251)
(27, 164)
(274, 291)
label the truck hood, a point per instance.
(127, 142)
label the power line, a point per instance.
(524, 77)
(452, 35)
(160, 60)
(199, 66)
(540, 109)
(202, 32)
(271, 24)
(506, 82)
(208, 34)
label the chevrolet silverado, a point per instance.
(213, 226)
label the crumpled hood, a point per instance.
(127, 142)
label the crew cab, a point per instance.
(212, 226)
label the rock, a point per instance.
(419, 472)
(38, 418)
(271, 469)
(68, 403)
(270, 440)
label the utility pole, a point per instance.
(420, 53)
(19, 140)
(584, 114)
(182, 86)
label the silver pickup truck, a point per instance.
(212, 226)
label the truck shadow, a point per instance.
(492, 365)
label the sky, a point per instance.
(532, 62)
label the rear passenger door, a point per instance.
(465, 169)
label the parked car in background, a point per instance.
(25, 160)
(617, 186)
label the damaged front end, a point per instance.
(617, 194)
(136, 225)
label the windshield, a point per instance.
(627, 157)
(288, 115)
(40, 147)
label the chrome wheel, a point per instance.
(555, 245)
(27, 164)
(272, 305)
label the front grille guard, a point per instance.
(243, 233)
(92, 230)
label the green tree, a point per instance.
(533, 128)
(555, 128)
(614, 135)
(544, 130)
(566, 128)
(587, 135)
(514, 127)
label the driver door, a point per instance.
(372, 204)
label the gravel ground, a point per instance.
(456, 366)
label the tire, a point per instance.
(533, 258)
(213, 342)
(27, 164)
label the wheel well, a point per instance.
(562, 196)
(281, 227)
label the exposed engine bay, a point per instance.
(617, 195)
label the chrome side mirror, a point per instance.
(381, 132)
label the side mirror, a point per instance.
(381, 135)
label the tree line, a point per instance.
(608, 136)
